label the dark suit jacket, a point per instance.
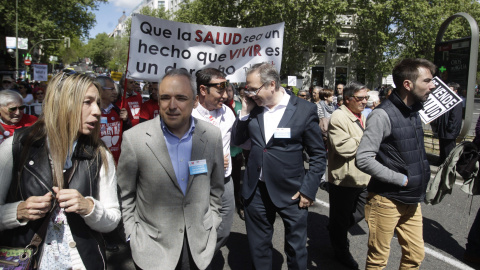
(281, 159)
(450, 123)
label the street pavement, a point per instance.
(446, 227)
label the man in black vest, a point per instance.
(393, 153)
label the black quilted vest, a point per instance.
(404, 152)
(36, 180)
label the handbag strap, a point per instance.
(40, 234)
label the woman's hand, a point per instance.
(73, 201)
(34, 207)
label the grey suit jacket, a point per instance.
(156, 214)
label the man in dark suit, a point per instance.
(449, 125)
(280, 126)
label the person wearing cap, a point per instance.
(12, 114)
(8, 83)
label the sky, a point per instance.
(108, 14)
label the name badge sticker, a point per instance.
(103, 120)
(197, 166)
(282, 133)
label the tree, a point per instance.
(99, 49)
(72, 54)
(305, 22)
(149, 11)
(38, 20)
(118, 61)
(391, 29)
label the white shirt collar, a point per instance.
(283, 102)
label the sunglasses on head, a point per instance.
(14, 109)
(221, 85)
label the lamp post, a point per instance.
(16, 39)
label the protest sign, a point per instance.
(157, 46)
(440, 101)
(40, 72)
(292, 80)
(116, 76)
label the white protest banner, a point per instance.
(40, 72)
(440, 101)
(158, 45)
(292, 80)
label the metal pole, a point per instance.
(16, 39)
(472, 69)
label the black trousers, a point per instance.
(446, 146)
(260, 213)
(237, 162)
(347, 208)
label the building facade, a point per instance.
(170, 5)
(332, 62)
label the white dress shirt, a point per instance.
(271, 118)
(222, 118)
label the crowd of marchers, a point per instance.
(85, 160)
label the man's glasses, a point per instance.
(222, 85)
(361, 98)
(108, 88)
(252, 91)
(7, 82)
(39, 93)
(14, 109)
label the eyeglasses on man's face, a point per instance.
(14, 109)
(221, 85)
(361, 98)
(252, 91)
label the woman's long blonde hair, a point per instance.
(62, 117)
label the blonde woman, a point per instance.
(59, 169)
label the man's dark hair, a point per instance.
(103, 79)
(454, 85)
(204, 77)
(352, 88)
(407, 69)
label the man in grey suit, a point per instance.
(170, 175)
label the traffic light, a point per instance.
(66, 42)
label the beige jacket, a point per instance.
(344, 135)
